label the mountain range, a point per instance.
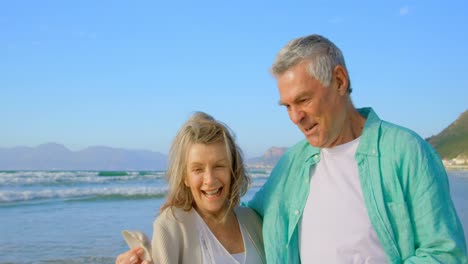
(451, 143)
(53, 156)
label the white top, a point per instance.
(214, 252)
(335, 227)
(240, 257)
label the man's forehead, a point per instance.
(294, 71)
(288, 75)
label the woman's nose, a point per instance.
(209, 177)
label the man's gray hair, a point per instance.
(323, 55)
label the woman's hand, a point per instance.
(133, 256)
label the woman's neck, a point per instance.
(226, 229)
(220, 218)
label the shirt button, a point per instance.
(296, 212)
(373, 151)
(307, 180)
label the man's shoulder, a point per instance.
(403, 142)
(399, 133)
(384, 129)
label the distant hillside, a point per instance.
(268, 160)
(452, 142)
(53, 156)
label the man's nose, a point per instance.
(296, 115)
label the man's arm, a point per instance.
(438, 233)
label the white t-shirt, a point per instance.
(335, 227)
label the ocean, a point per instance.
(77, 216)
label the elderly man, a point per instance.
(357, 189)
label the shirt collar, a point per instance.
(370, 135)
(369, 138)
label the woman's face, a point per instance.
(209, 177)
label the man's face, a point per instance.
(318, 111)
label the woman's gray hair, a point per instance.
(202, 128)
(323, 55)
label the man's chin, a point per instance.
(314, 142)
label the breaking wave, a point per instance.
(108, 193)
(72, 177)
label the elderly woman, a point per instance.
(201, 221)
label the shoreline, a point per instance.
(456, 167)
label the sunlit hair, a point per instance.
(323, 55)
(201, 128)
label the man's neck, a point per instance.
(352, 128)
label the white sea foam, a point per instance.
(256, 174)
(258, 183)
(24, 186)
(72, 193)
(66, 177)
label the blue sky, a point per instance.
(127, 74)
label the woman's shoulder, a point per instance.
(175, 236)
(174, 216)
(252, 223)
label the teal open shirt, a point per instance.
(405, 189)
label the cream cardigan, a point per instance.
(176, 239)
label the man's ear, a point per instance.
(340, 76)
